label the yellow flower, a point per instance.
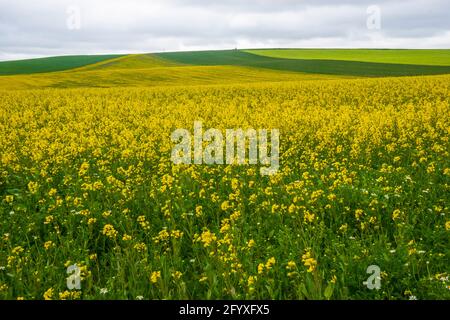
(198, 211)
(143, 222)
(358, 213)
(176, 275)
(225, 205)
(72, 295)
(77, 201)
(251, 281)
(109, 231)
(140, 247)
(106, 214)
(48, 295)
(447, 225)
(260, 268)
(271, 262)
(155, 276)
(33, 187)
(17, 250)
(343, 228)
(235, 215)
(48, 245)
(9, 198)
(333, 279)
(48, 219)
(309, 261)
(331, 197)
(98, 185)
(126, 237)
(309, 217)
(292, 208)
(291, 265)
(431, 168)
(176, 234)
(396, 214)
(163, 236)
(234, 184)
(84, 272)
(91, 221)
(85, 212)
(52, 192)
(207, 238)
(83, 169)
(64, 295)
(275, 208)
(225, 226)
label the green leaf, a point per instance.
(329, 291)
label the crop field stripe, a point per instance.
(99, 65)
(156, 76)
(132, 61)
(437, 57)
(51, 64)
(333, 67)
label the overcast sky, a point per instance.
(55, 27)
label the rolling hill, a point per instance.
(132, 71)
(217, 67)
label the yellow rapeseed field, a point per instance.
(86, 178)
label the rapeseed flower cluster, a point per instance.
(86, 176)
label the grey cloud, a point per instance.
(39, 28)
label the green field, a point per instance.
(50, 64)
(333, 67)
(347, 63)
(416, 57)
